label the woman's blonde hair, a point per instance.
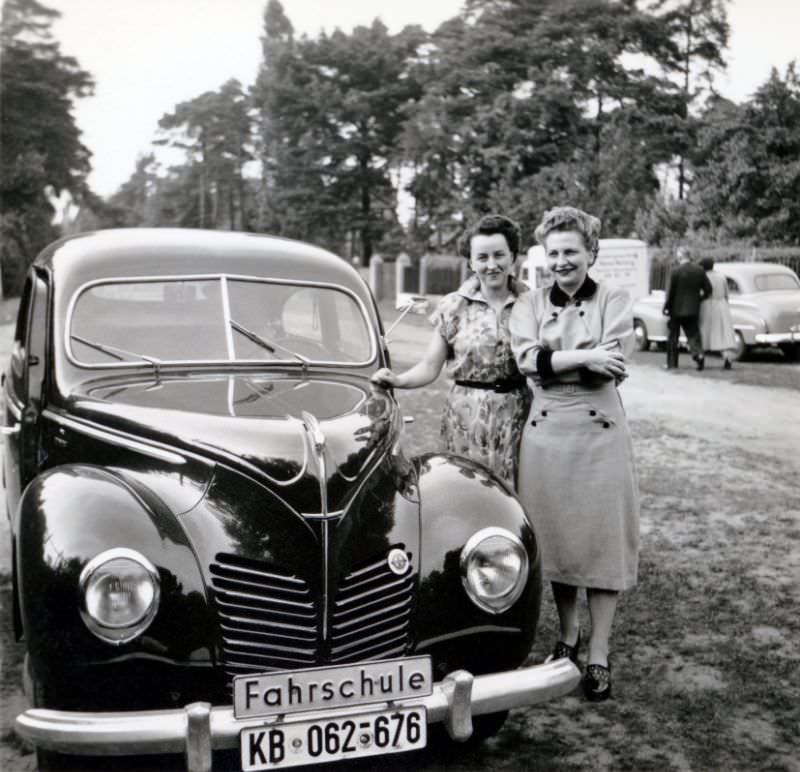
(568, 218)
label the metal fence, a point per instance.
(660, 267)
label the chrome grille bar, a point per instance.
(268, 620)
(371, 616)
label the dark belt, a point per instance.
(501, 386)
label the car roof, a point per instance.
(157, 252)
(750, 269)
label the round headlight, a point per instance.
(120, 593)
(494, 569)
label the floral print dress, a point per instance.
(481, 424)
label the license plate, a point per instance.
(337, 686)
(289, 744)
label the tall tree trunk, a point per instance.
(687, 60)
(215, 205)
(239, 225)
(203, 183)
(366, 205)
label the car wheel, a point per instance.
(483, 727)
(740, 350)
(791, 351)
(640, 333)
(46, 761)
(51, 761)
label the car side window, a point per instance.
(733, 286)
(18, 371)
(37, 340)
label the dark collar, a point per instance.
(560, 298)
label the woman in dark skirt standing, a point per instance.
(576, 471)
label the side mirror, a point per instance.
(415, 304)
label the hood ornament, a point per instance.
(314, 431)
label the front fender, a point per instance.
(66, 517)
(459, 497)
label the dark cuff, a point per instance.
(544, 364)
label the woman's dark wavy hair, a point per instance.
(488, 225)
(707, 263)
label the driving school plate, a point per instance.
(281, 745)
(292, 691)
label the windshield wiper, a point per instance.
(268, 345)
(118, 353)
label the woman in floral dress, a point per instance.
(489, 398)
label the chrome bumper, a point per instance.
(199, 728)
(778, 337)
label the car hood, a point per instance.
(309, 438)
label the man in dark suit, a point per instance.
(687, 286)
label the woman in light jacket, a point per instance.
(576, 471)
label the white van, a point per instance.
(622, 262)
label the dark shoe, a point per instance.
(701, 363)
(727, 364)
(597, 683)
(564, 651)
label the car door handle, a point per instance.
(10, 431)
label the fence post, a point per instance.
(400, 265)
(423, 275)
(376, 276)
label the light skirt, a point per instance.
(577, 482)
(716, 325)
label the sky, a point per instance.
(146, 56)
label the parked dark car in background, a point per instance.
(218, 541)
(765, 306)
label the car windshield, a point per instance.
(767, 282)
(126, 322)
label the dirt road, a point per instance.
(765, 420)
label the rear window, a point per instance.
(766, 282)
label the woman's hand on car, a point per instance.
(384, 377)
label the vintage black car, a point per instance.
(218, 541)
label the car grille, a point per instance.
(268, 619)
(371, 614)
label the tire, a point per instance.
(740, 351)
(640, 333)
(52, 761)
(791, 351)
(483, 727)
